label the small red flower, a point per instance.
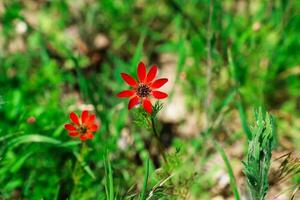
(31, 120)
(144, 88)
(83, 127)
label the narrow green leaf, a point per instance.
(84, 165)
(139, 49)
(229, 169)
(32, 138)
(81, 79)
(143, 193)
(109, 185)
(243, 118)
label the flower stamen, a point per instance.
(143, 90)
(82, 129)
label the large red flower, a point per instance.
(82, 127)
(144, 88)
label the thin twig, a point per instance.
(158, 185)
(293, 187)
(294, 192)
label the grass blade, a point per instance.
(32, 138)
(143, 193)
(243, 118)
(109, 184)
(229, 169)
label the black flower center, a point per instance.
(82, 129)
(143, 90)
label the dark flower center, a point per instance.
(82, 129)
(143, 90)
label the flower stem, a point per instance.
(160, 144)
(77, 171)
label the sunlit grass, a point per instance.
(222, 59)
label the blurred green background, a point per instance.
(222, 58)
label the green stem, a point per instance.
(77, 171)
(160, 145)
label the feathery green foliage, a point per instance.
(143, 119)
(257, 163)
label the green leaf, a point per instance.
(109, 184)
(229, 169)
(243, 118)
(143, 193)
(84, 165)
(32, 138)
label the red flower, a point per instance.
(83, 127)
(144, 88)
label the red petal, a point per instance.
(158, 83)
(93, 128)
(91, 120)
(141, 72)
(133, 101)
(83, 137)
(129, 80)
(70, 127)
(159, 95)
(84, 116)
(147, 105)
(151, 74)
(74, 118)
(126, 93)
(89, 135)
(73, 134)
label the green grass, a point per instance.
(222, 58)
(109, 183)
(144, 190)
